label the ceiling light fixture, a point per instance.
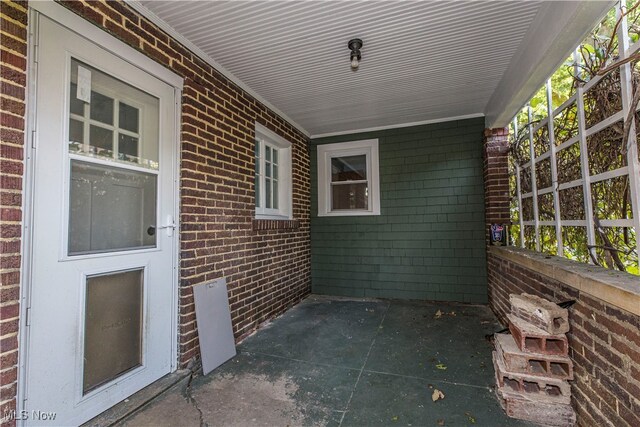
(355, 45)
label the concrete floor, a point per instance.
(344, 362)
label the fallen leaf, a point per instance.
(453, 313)
(441, 366)
(440, 422)
(395, 418)
(438, 314)
(437, 395)
(470, 417)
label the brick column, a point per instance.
(13, 66)
(496, 177)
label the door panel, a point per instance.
(101, 320)
(113, 326)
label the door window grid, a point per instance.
(110, 127)
(117, 142)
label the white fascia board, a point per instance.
(139, 7)
(554, 34)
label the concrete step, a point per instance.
(138, 400)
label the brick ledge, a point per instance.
(614, 287)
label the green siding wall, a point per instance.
(428, 242)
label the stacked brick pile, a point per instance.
(532, 364)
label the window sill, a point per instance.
(275, 224)
(614, 287)
(349, 213)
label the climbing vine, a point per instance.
(615, 247)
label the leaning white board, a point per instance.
(215, 332)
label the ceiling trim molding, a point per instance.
(552, 35)
(137, 6)
(400, 125)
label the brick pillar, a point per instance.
(13, 69)
(496, 177)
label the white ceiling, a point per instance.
(421, 61)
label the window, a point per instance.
(273, 175)
(348, 180)
(110, 120)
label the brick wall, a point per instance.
(496, 177)
(604, 340)
(267, 266)
(12, 113)
(428, 242)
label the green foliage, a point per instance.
(615, 246)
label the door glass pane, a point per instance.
(349, 168)
(76, 106)
(110, 209)
(128, 117)
(115, 108)
(349, 196)
(101, 108)
(113, 326)
(127, 148)
(101, 141)
(76, 135)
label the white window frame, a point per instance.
(284, 211)
(366, 147)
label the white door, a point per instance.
(101, 318)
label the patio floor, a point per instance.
(344, 362)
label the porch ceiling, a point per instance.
(421, 61)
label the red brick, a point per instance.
(15, 76)
(12, 106)
(13, 12)
(9, 376)
(123, 34)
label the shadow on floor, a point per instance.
(344, 362)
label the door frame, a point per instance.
(115, 47)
